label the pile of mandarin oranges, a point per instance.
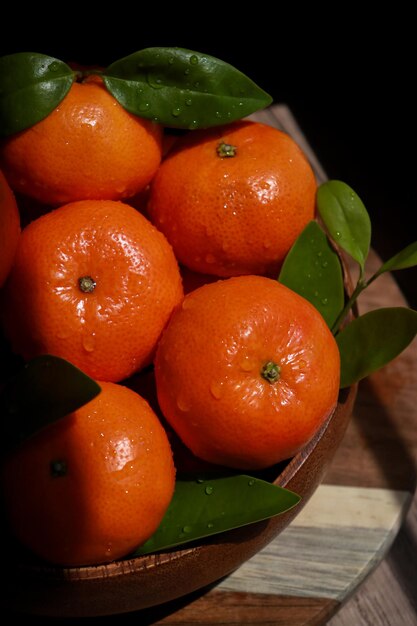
(136, 256)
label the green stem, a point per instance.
(360, 286)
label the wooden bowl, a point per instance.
(133, 584)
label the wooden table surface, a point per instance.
(350, 557)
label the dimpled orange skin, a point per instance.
(208, 372)
(9, 228)
(233, 215)
(88, 147)
(117, 482)
(111, 331)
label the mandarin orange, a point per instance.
(246, 372)
(9, 228)
(232, 200)
(95, 283)
(94, 485)
(88, 147)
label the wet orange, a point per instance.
(232, 200)
(88, 147)
(246, 372)
(9, 228)
(93, 282)
(94, 485)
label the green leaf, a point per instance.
(45, 390)
(213, 504)
(183, 89)
(346, 218)
(312, 269)
(403, 259)
(31, 86)
(371, 341)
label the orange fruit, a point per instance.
(95, 283)
(232, 200)
(9, 228)
(88, 147)
(94, 485)
(246, 372)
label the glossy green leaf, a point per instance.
(312, 269)
(213, 504)
(31, 86)
(45, 390)
(346, 218)
(183, 89)
(403, 259)
(371, 341)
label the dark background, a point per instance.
(348, 81)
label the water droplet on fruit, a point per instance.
(187, 529)
(200, 480)
(218, 114)
(208, 490)
(143, 106)
(324, 301)
(216, 389)
(324, 264)
(188, 102)
(251, 482)
(193, 59)
(183, 404)
(89, 342)
(210, 525)
(187, 71)
(171, 60)
(193, 125)
(176, 112)
(54, 67)
(247, 364)
(338, 234)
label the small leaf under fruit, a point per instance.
(312, 268)
(346, 218)
(371, 341)
(212, 504)
(45, 390)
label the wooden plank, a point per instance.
(329, 548)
